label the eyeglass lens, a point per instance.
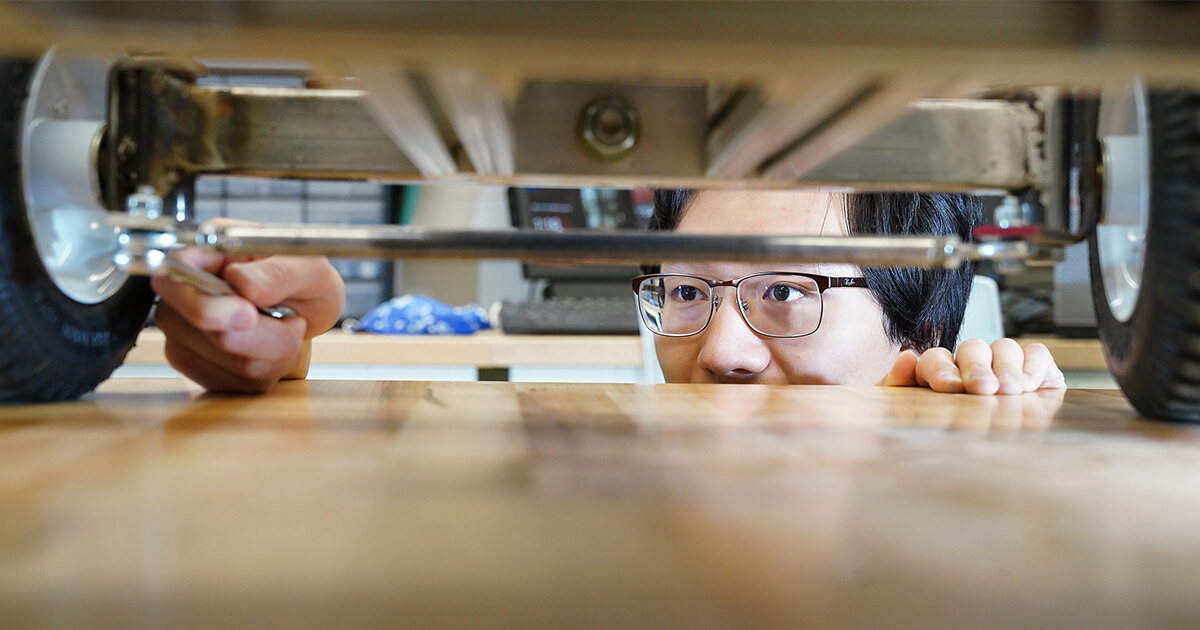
(779, 305)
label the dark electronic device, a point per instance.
(584, 299)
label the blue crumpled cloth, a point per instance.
(423, 315)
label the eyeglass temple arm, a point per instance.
(827, 282)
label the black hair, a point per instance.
(922, 308)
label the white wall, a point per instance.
(460, 207)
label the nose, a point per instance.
(730, 350)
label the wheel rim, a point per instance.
(1124, 135)
(62, 125)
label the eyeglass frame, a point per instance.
(823, 283)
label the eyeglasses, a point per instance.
(773, 304)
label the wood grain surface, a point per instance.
(495, 349)
(485, 349)
(416, 504)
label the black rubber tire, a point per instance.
(51, 347)
(1155, 356)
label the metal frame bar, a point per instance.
(164, 130)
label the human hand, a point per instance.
(1002, 368)
(223, 343)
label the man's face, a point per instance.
(850, 347)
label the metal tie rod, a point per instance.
(569, 246)
(593, 247)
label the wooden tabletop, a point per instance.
(482, 349)
(494, 349)
(402, 504)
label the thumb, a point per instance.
(306, 283)
(276, 278)
(904, 371)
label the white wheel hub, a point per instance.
(1124, 135)
(62, 128)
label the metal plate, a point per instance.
(671, 142)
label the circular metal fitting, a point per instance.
(610, 127)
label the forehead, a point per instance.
(801, 212)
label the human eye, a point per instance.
(785, 289)
(685, 292)
(784, 292)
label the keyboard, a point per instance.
(571, 316)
